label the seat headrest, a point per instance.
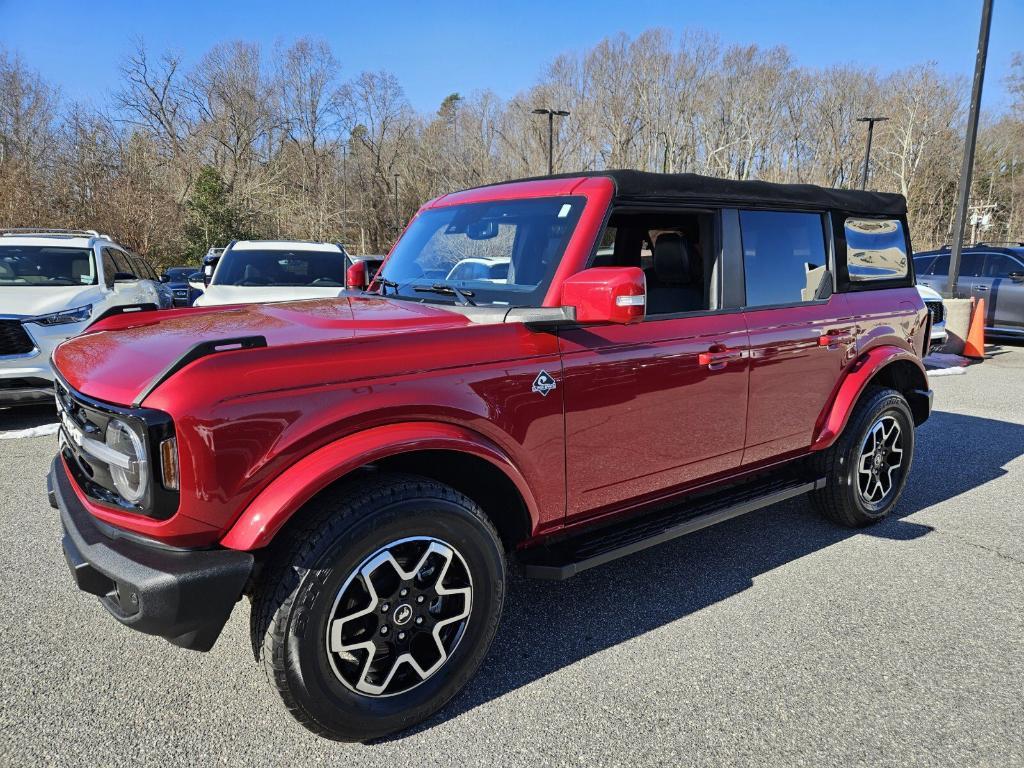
(672, 258)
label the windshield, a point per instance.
(503, 252)
(180, 274)
(281, 268)
(42, 265)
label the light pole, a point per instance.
(867, 152)
(551, 133)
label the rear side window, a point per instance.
(784, 256)
(876, 249)
(1001, 265)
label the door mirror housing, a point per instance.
(607, 295)
(208, 267)
(357, 276)
(1017, 277)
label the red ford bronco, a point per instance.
(554, 372)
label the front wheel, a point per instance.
(867, 468)
(382, 608)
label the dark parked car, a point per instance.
(663, 353)
(177, 279)
(992, 271)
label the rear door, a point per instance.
(1004, 296)
(801, 332)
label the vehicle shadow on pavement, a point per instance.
(550, 625)
(27, 417)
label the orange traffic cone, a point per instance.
(975, 346)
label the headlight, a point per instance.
(130, 481)
(76, 315)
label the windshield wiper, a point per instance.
(385, 284)
(460, 295)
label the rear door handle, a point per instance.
(717, 357)
(981, 287)
(838, 336)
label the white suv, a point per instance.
(54, 284)
(251, 271)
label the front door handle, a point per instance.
(719, 356)
(981, 287)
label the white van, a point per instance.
(253, 271)
(53, 285)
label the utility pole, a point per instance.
(551, 133)
(964, 189)
(867, 152)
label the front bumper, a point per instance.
(184, 596)
(28, 378)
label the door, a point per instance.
(799, 342)
(971, 266)
(1003, 294)
(651, 407)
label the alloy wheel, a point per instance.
(399, 616)
(880, 461)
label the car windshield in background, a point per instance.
(180, 274)
(43, 265)
(503, 252)
(278, 268)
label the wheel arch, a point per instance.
(888, 366)
(455, 455)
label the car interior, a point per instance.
(676, 252)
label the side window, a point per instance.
(876, 249)
(784, 256)
(1001, 265)
(109, 267)
(940, 266)
(118, 258)
(923, 264)
(971, 264)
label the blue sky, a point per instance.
(436, 48)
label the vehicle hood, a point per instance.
(928, 294)
(219, 295)
(118, 358)
(30, 301)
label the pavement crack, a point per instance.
(991, 550)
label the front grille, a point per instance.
(937, 310)
(14, 339)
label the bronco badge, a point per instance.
(544, 383)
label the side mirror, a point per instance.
(1017, 277)
(607, 295)
(164, 278)
(208, 268)
(357, 276)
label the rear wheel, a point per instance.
(867, 467)
(381, 608)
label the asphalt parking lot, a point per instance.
(775, 638)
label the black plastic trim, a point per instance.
(126, 309)
(184, 596)
(195, 352)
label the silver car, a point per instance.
(992, 271)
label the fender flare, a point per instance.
(277, 502)
(857, 379)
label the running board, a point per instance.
(596, 547)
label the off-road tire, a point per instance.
(293, 600)
(840, 500)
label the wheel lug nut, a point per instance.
(383, 630)
(419, 599)
(384, 608)
(419, 619)
(401, 635)
(403, 593)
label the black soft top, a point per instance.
(641, 186)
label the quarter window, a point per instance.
(876, 249)
(784, 256)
